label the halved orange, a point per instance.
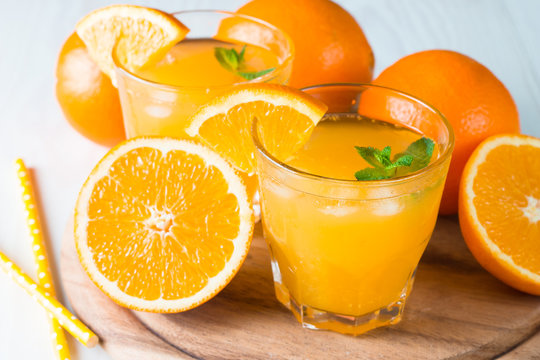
(499, 209)
(138, 35)
(286, 117)
(162, 225)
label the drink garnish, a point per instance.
(234, 61)
(415, 157)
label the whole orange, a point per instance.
(86, 95)
(473, 100)
(330, 46)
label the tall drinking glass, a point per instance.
(163, 107)
(344, 252)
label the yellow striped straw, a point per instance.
(42, 264)
(66, 319)
(58, 338)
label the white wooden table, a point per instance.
(503, 35)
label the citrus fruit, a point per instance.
(162, 225)
(86, 96)
(499, 209)
(329, 44)
(286, 117)
(138, 35)
(473, 100)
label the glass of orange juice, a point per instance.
(344, 252)
(160, 98)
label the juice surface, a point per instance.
(191, 66)
(193, 63)
(350, 256)
(330, 150)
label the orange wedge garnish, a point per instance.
(138, 35)
(286, 117)
(499, 209)
(162, 225)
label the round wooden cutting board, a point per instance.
(456, 310)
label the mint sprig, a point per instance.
(254, 74)
(415, 157)
(234, 62)
(230, 59)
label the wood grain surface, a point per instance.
(456, 311)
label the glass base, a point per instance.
(316, 319)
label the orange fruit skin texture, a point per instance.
(86, 95)
(474, 101)
(474, 238)
(329, 44)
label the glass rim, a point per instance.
(363, 183)
(125, 72)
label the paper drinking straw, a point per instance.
(58, 338)
(66, 319)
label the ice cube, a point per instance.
(387, 207)
(339, 210)
(158, 111)
(278, 190)
(163, 97)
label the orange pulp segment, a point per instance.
(499, 209)
(162, 224)
(286, 117)
(137, 35)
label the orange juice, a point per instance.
(192, 63)
(185, 79)
(367, 239)
(344, 252)
(160, 98)
(330, 151)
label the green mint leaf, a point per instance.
(415, 157)
(371, 155)
(254, 74)
(233, 61)
(228, 58)
(372, 174)
(404, 160)
(421, 150)
(384, 156)
(385, 153)
(241, 55)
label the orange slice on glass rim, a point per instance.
(499, 209)
(285, 117)
(162, 225)
(138, 35)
